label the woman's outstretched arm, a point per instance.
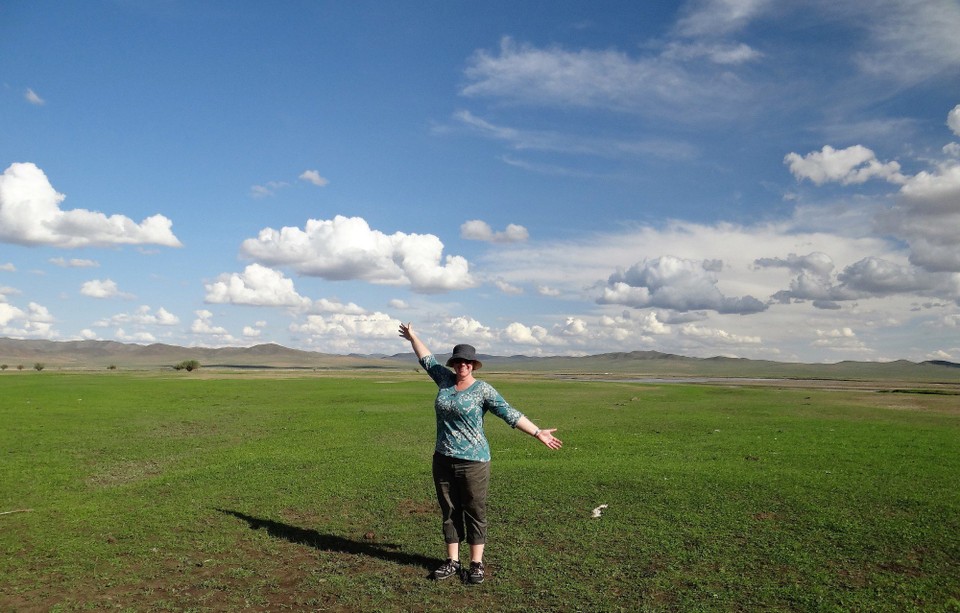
(406, 331)
(544, 436)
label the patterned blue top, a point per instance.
(460, 414)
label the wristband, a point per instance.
(536, 433)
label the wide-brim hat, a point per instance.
(467, 353)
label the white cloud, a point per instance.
(325, 305)
(74, 263)
(348, 332)
(34, 322)
(103, 288)
(714, 336)
(953, 120)
(523, 335)
(313, 176)
(710, 18)
(926, 211)
(32, 97)
(477, 230)
(141, 317)
(546, 290)
(135, 337)
(203, 326)
(669, 282)
(251, 332)
(927, 215)
(466, 328)
(268, 189)
(909, 40)
(528, 140)
(256, 286)
(506, 288)
(30, 214)
(398, 304)
(608, 79)
(347, 248)
(8, 267)
(852, 165)
(841, 333)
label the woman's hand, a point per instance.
(547, 438)
(406, 331)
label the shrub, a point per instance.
(3, 367)
(38, 366)
(188, 365)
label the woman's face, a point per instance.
(463, 368)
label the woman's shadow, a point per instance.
(332, 543)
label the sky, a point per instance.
(751, 178)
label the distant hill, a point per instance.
(99, 355)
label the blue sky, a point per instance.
(771, 180)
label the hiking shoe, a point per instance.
(447, 570)
(475, 575)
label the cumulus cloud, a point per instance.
(953, 120)
(466, 327)
(8, 267)
(347, 248)
(477, 230)
(714, 336)
(521, 334)
(34, 322)
(850, 166)
(256, 286)
(669, 282)
(103, 288)
(869, 277)
(926, 211)
(349, 330)
(326, 305)
(927, 214)
(134, 337)
(142, 316)
(30, 214)
(203, 325)
(313, 176)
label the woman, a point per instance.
(461, 459)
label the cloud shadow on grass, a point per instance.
(333, 543)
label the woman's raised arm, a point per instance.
(406, 331)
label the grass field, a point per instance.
(193, 492)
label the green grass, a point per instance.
(193, 492)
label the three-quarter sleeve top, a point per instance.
(460, 414)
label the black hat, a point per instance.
(465, 352)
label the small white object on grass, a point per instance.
(598, 511)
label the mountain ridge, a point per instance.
(102, 354)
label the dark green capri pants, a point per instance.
(462, 493)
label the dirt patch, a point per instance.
(123, 473)
(417, 507)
